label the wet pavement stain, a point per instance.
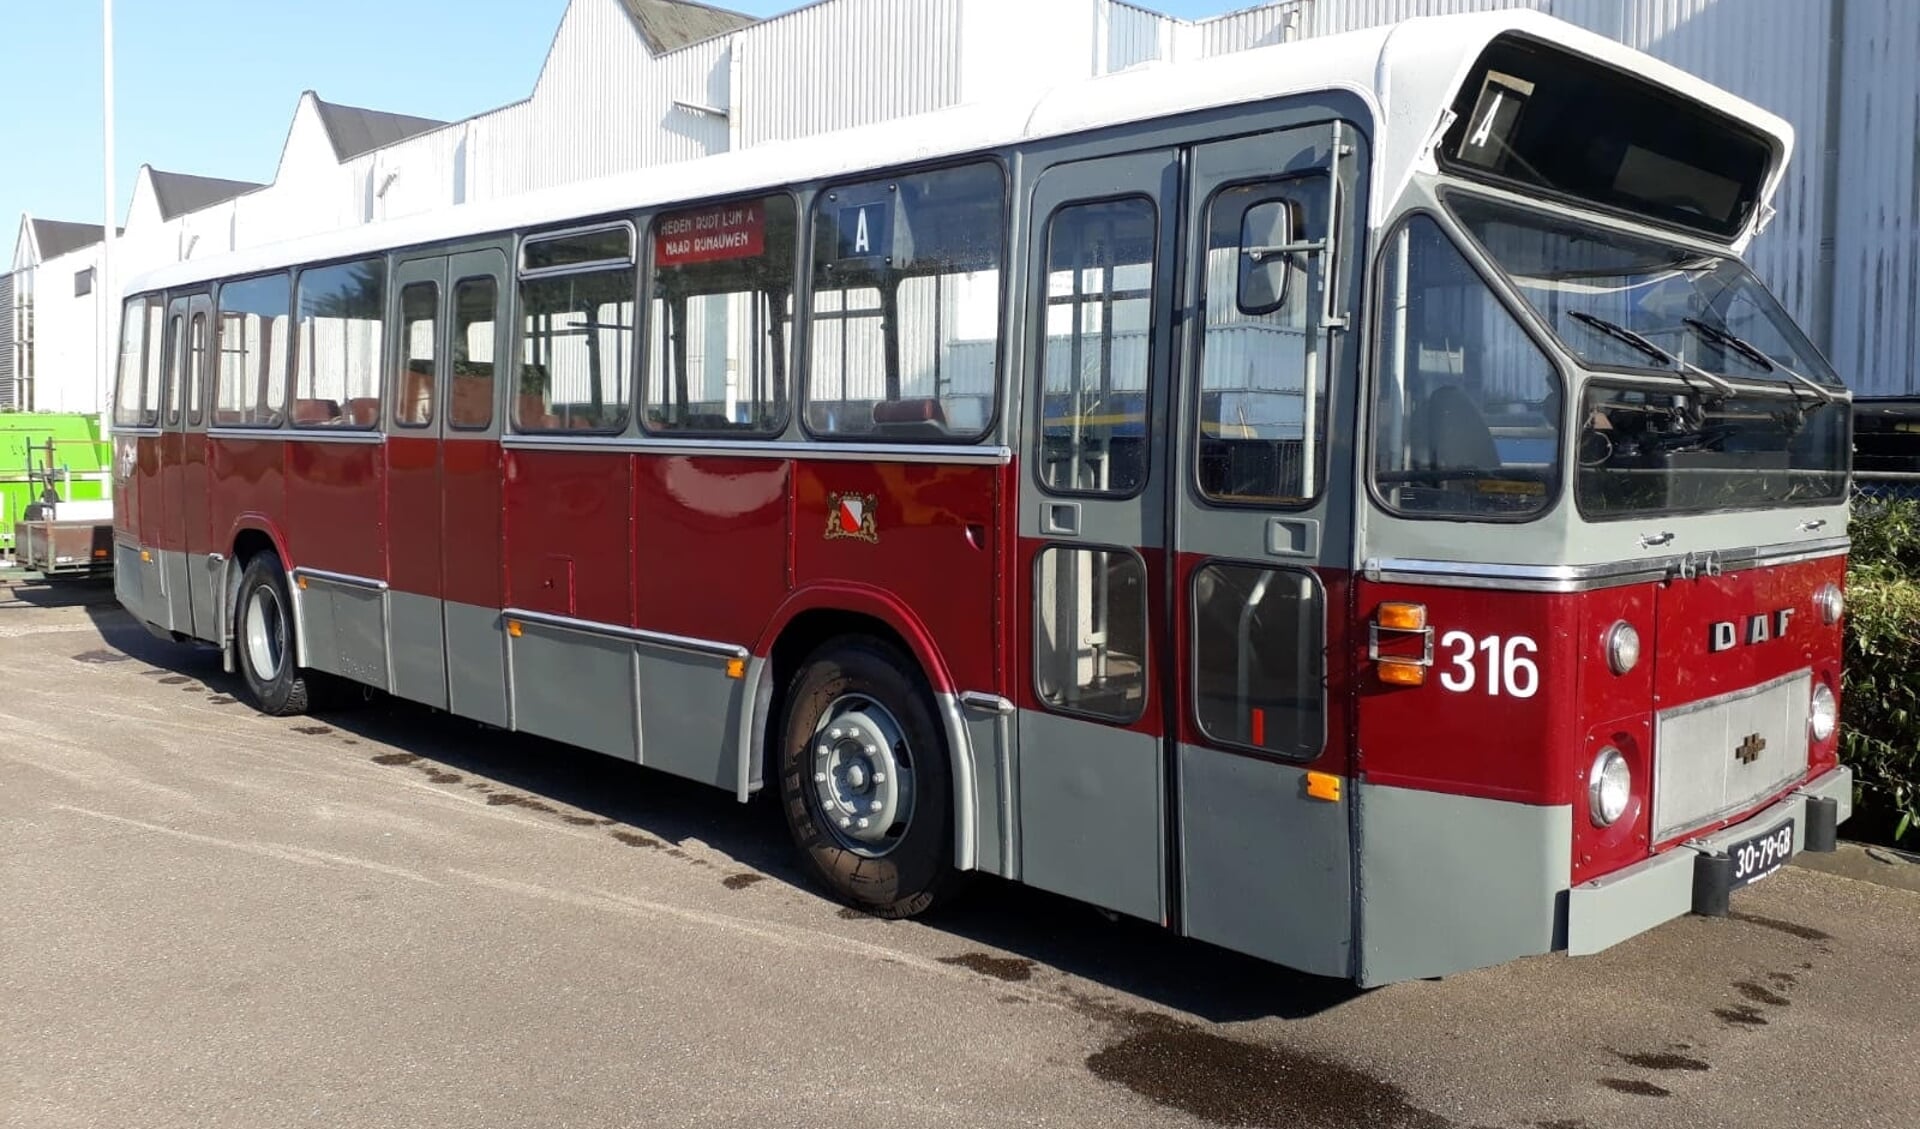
(1663, 1060)
(1761, 995)
(848, 913)
(174, 680)
(101, 657)
(221, 700)
(442, 777)
(1000, 968)
(1741, 1015)
(192, 688)
(394, 758)
(634, 840)
(1791, 929)
(576, 820)
(742, 880)
(313, 730)
(1564, 1123)
(1011, 999)
(514, 799)
(1183, 1066)
(1783, 979)
(1636, 1086)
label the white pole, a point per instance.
(108, 296)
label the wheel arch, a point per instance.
(817, 613)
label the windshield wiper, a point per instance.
(1681, 368)
(1727, 339)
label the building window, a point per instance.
(83, 283)
(904, 327)
(721, 318)
(575, 359)
(255, 320)
(337, 379)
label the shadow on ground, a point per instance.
(1126, 955)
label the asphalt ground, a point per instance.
(384, 917)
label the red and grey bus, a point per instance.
(1348, 502)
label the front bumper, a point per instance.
(1694, 876)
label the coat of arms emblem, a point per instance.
(851, 515)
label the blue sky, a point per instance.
(209, 86)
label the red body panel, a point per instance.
(471, 571)
(715, 528)
(196, 528)
(414, 543)
(335, 507)
(246, 485)
(569, 534)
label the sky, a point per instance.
(209, 86)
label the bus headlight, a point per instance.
(1609, 787)
(1830, 602)
(1623, 647)
(1824, 716)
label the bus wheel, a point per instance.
(265, 639)
(864, 778)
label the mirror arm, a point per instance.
(1331, 317)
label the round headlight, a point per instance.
(1830, 602)
(1609, 788)
(1623, 647)
(1824, 716)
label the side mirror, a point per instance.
(1265, 276)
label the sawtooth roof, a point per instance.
(178, 193)
(58, 237)
(668, 25)
(355, 130)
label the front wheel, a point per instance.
(265, 639)
(865, 779)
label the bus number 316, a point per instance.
(1508, 669)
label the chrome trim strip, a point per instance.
(1803, 674)
(973, 455)
(628, 634)
(749, 751)
(965, 797)
(1582, 578)
(299, 435)
(136, 432)
(986, 703)
(339, 578)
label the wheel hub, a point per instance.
(862, 774)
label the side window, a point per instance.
(1098, 345)
(255, 322)
(341, 354)
(1090, 631)
(1259, 658)
(176, 361)
(196, 369)
(1263, 366)
(575, 353)
(721, 318)
(470, 398)
(419, 333)
(133, 348)
(904, 328)
(1468, 409)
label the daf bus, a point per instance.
(1347, 501)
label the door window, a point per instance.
(1090, 631)
(176, 363)
(419, 336)
(1259, 658)
(1097, 348)
(470, 401)
(196, 367)
(1263, 363)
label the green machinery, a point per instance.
(41, 451)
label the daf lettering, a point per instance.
(1727, 634)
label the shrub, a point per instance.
(1880, 736)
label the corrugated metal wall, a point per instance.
(9, 384)
(847, 63)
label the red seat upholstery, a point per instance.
(316, 411)
(364, 411)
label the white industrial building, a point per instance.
(632, 83)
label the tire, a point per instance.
(264, 637)
(874, 691)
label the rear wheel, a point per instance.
(264, 637)
(864, 778)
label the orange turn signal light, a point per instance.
(1402, 617)
(513, 628)
(736, 668)
(1395, 673)
(1323, 786)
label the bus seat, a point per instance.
(315, 411)
(364, 411)
(1453, 433)
(920, 416)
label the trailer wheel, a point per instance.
(864, 778)
(265, 639)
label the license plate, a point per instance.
(1755, 858)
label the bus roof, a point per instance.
(1412, 68)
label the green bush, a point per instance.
(1880, 735)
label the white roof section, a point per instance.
(1412, 69)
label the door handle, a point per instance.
(1060, 519)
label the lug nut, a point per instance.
(875, 806)
(844, 821)
(835, 734)
(879, 778)
(863, 822)
(819, 778)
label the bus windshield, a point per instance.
(1628, 304)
